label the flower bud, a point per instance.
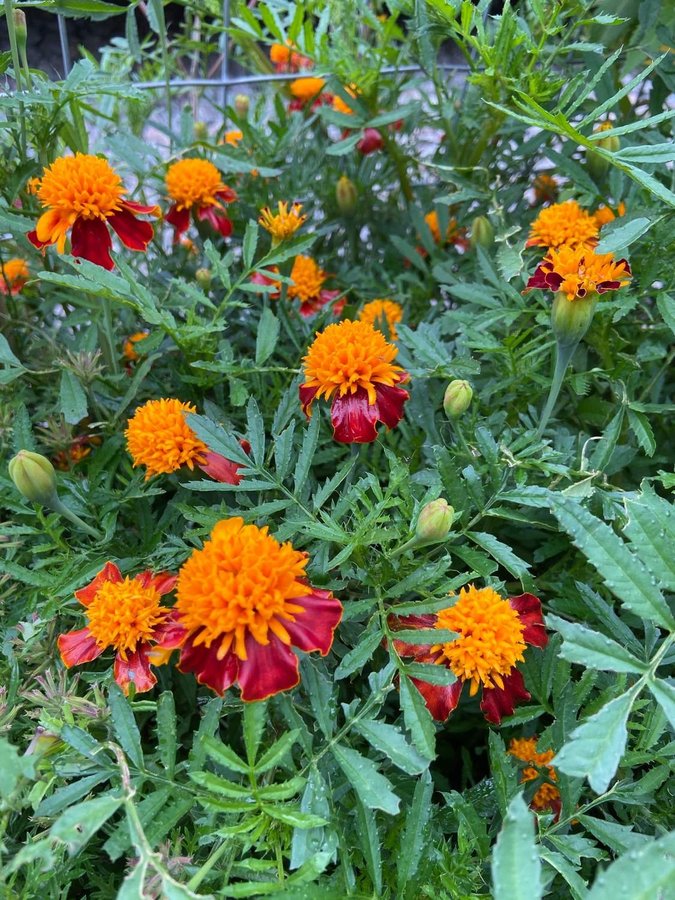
(371, 141)
(20, 29)
(595, 163)
(241, 105)
(34, 477)
(482, 232)
(570, 319)
(201, 131)
(203, 278)
(435, 521)
(457, 398)
(346, 194)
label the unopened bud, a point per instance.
(34, 477)
(201, 131)
(570, 319)
(20, 29)
(346, 194)
(435, 521)
(482, 232)
(241, 105)
(203, 277)
(457, 398)
(596, 164)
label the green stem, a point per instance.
(564, 354)
(11, 31)
(59, 507)
(108, 342)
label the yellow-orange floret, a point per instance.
(13, 275)
(605, 214)
(284, 223)
(124, 613)
(378, 311)
(308, 278)
(525, 749)
(242, 581)
(194, 182)
(159, 438)
(489, 638)
(307, 88)
(563, 224)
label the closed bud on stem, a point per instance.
(435, 521)
(457, 398)
(20, 29)
(596, 164)
(241, 105)
(570, 319)
(34, 477)
(201, 131)
(203, 278)
(346, 195)
(482, 232)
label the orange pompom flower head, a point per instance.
(354, 362)
(284, 223)
(578, 273)
(83, 194)
(159, 438)
(285, 58)
(563, 225)
(233, 137)
(126, 614)
(538, 768)
(382, 312)
(306, 90)
(492, 635)
(13, 275)
(244, 602)
(195, 186)
(453, 233)
(308, 279)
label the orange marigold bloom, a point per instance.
(378, 311)
(545, 188)
(195, 184)
(286, 59)
(340, 105)
(126, 614)
(13, 275)
(283, 224)
(308, 279)
(244, 601)
(307, 88)
(355, 362)
(233, 137)
(547, 796)
(605, 214)
(159, 438)
(453, 233)
(492, 634)
(578, 273)
(82, 194)
(563, 225)
(129, 350)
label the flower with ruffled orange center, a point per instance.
(307, 88)
(159, 438)
(13, 275)
(563, 225)
(233, 137)
(125, 614)
(308, 278)
(83, 194)
(378, 312)
(605, 214)
(195, 186)
(129, 351)
(284, 58)
(244, 602)
(492, 634)
(453, 233)
(284, 223)
(547, 796)
(354, 362)
(545, 188)
(579, 273)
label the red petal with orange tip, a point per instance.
(140, 209)
(77, 647)
(135, 669)
(170, 634)
(218, 674)
(163, 582)
(440, 699)
(498, 702)
(354, 419)
(109, 572)
(390, 401)
(307, 395)
(33, 238)
(528, 608)
(417, 651)
(270, 669)
(314, 629)
(221, 469)
(227, 195)
(134, 233)
(180, 219)
(90, 239)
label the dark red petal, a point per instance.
(553, 280)
(134, 233)
(218, 674)
(33, 238)
(220, 469)
(370, 142)
(77, 647)
(295, 105)
(313, 629)
(440, 699)
(307, 395)
(603, 286)
(136, 669)
(90, 239)
(170, 634)
(217, 220)
(417, 651)
(538, 280)
(390, 400)
(109, 572)
(497, 703)
(528, 608)
(269, 669)
(180, 219)
(163, 582)
(227, 195)
(141, 209)
(354, 419)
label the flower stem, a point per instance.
(563, 356)
(63, 510)
(108, 343)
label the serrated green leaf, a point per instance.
(359, 656)
(277, 751)
(124, 725)
(413, 837)
(78, 824)
(618, 235)
(643, 431)
(224, 755)
(369, 838)
(643, 874)
(372, 788)
(664, 694)
(267, 336)
(501, 553)
(72, 398)
(651, 531)
(166, 731)
(588, 648)
(307, 452)
(516, 865)
(388, 739)
(417, 718)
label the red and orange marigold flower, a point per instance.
(13, 275)
(605, 214)
(547, 795)
(195, 185)
(378, 312)
(308, 279)
(244, 603)
(354, 362)
(284, 223)
(83, 194)
(305, 90)
(453, 233)
(285, 58)
(125, 614)
(563, 225)
(579, 273)
(159, 438)
(492, 635)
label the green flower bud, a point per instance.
(241, 105)
(203, 278)
(346, 194)
(20, 29)
(435, 521)
(595, 163)
(34, 477)
(570, 319)
(457, 398)
(482, 232)
(201, 131)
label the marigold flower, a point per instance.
(547, 796)
(129, 351)
(244, 602)
(233, 137)
(79, 449)
(378, 311)
(563, 225)
(355, 362)
(81, 194)
(307, 88)
(285, 59)
(340, 105)
(13, 275)
(283, 224)
(308, 279)
(453, 233)
(124, 613)
(545, 188)
(159, 438)
(578, 273)
(492, 635)
(605, 214)
(195, 184)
